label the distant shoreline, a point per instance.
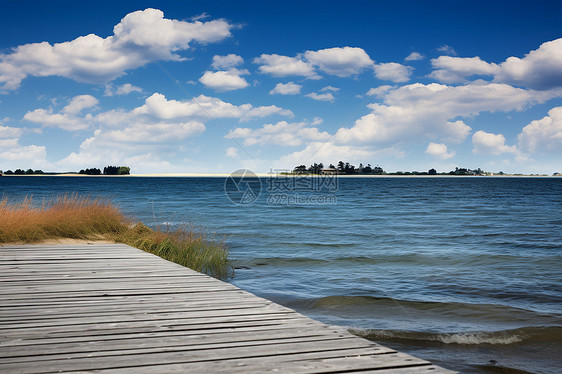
(267, 175)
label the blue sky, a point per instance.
(171, 87)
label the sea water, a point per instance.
(464, 272)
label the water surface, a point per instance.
(459, 271)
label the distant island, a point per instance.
(108, 170)
(345, 168)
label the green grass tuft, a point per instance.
(183, 246)
(71, 216)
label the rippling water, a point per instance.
(460, 271)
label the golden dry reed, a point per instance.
(72, 216)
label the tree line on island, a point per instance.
(345, 168)
(108, 170)
(342, 168)
(22, 172)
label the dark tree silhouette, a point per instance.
(92, 171)
(341, 166)
(301, 169)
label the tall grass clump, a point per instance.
(67, 216)
(71, 216)
(190, 248)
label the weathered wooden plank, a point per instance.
(188, 354)
(108, 286)
(41, 345)
(8, 273)
(94, 278)
(273, 327)
(167, 325)
(107, 300)
(158, 311)
(426, 369)
(171, 346)
(44, 278)
(191, 330)
(173, 319)
(390, 363)
(110, 293)
(122, 300)
(97, 286)
(85, 269)
(153, 317)
(48, 312)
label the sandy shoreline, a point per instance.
(65, 241)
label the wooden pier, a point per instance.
(114, 308)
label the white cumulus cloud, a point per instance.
(47, 118)
(69, 118)
(543, 135)
(284, 66)
(439, 150)
(140, 38)
(10, 132)
(379, 91)
(447, 50)
(289, 88)
(29, 156)
(321, 97)
(231, 152)
(281, 133)
(393, 72)
(123, 89)
(226, 62)
(153, 132)
(456, 131)
(228, 80)
(79, 103)
(540, 69)
(201, 107)
(340, 61)
(457, 69)
(488, 143)
(418, 110)
(316, 121)
(414, 56)
(154, 111)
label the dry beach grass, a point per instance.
(82, 218)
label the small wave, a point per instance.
(410, 258)
(523, 335)
(299, 261)
(381, 308)
(346, 301)
(316, 244)
(283, 261)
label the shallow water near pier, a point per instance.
(464, 272)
